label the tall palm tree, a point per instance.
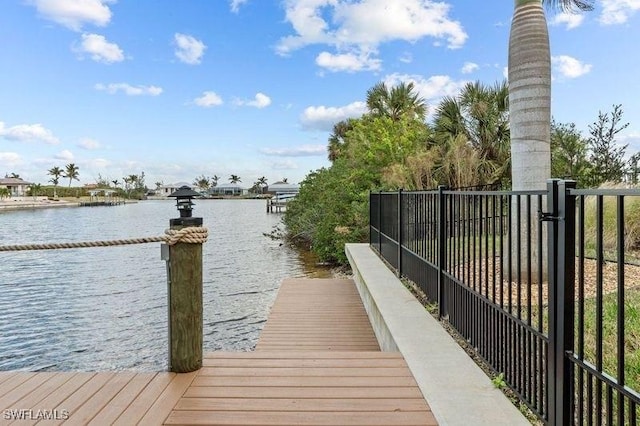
(396, 101)
(530, 90)
(214, 180)
(202, 183)
(71, 172)
(530, 103)
(262, 183)
(55, 173)
(234, 179)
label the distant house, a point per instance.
(17, 187)
(282, 188)
(228, 189)
(166, 190)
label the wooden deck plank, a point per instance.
(143, 402)
(165, 402)
(302, 355)
(305, 381)
(75, 400)
(302, 404)
(306, 363)
(15, 381)
(76, 382)
(318, 315)
(32, 399)
(32, 382)
(305, 371)
(271, 418)
(6, 375)
(93, 405)
(302, 392)
(121, 401)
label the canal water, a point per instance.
(106, 308)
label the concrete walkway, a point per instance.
(458, 391)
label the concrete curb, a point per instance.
(457, 390)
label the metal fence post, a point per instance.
(565, 299)
(552, 350)
(370, 215)
(400, 236)
(380, 222)
(441, 249)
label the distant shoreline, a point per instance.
(9, 205)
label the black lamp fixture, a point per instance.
(183, 197)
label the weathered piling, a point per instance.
(185, 302)
(185, 292)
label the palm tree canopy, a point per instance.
(396, 101)
(235, 179)
(569, 5)
(71, 172)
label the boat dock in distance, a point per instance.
(278, 203)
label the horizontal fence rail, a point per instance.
(521, 276)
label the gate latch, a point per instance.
(548, 217)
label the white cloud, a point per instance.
(96, 163)
(571, 20)
(235, 5)
(349, 62)
(505, 72)
(469, 67)
(28, 132)
(10, 159)
(323, 118)
(360, 26)
(431, 89)
(569, 67)
(74, 14)
(64, 155)
(89, 144)
(100, 49)
(189, 49)
(208, 99)
(298, 151)
(406, 58)
(128, 89)
(260, 101)
(618, 11)
(284, 165)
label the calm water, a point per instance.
(106, 308)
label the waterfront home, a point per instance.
(16, 186)
(166, 190)
(232, 189)
(282, 188)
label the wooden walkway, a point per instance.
(317, 363)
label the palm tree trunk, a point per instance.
(530, 117)
(530, 96)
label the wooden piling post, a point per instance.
(185, 301)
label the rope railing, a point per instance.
(189, 235)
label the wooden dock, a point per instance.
(317, 362)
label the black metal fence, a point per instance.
(543, 297)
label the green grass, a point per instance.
(610, 334)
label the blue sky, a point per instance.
(252, 87)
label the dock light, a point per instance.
(183, 197)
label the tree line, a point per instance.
(467, 143)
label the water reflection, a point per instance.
(105, 308)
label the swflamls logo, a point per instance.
(21, 414)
